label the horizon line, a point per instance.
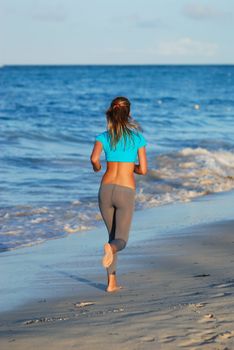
(113, 64)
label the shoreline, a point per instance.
(177, 276)
(38, 271)
(179, 293)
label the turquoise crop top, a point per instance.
(121, 154)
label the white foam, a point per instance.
(32, 211)
(187, 174)
(12, 233)
(193, 151)
(39, 220)
(70, 229)
(42, 210)
(76, 202)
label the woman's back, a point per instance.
(121, 173)
(125, 150)
(121, 159)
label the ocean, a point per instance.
(50, 115)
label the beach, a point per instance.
(176, 273)
(177, 268)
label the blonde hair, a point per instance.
(119, 121)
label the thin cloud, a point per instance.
(55, 15)
(8, 10)
(187, 47)
(139, 21)
(50, 13)
(200, 12)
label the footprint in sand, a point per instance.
(190, 342)
(207, 318)
(84, 303)
(225, 285)
(207, 337)
(147, 339)
(226, 335)
(198, 305)
(220, 295)
(168, 339)
(202, 275)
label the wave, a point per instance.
(187, 174)
(27, 225)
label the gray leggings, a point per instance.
(116, 203)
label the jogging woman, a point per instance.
(122, 142)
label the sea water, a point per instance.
(50, 115)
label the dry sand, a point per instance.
(178, 294)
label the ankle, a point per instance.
(113, 247)
(112, 278)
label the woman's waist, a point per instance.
(127, 181)
(120, 167)
(118, 185)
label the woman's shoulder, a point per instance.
(102, 133)
(101, 136)
(138, 134)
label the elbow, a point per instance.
(144, 171)
(94, 160)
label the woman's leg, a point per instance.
(116, 204)
(108, 214)
(124, 200)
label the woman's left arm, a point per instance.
(95, 156)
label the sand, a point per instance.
(178, 294)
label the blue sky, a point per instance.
(116, 32)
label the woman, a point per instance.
(122, 143)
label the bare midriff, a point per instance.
(120, 173)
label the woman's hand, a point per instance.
(141, 168)
(97, 167)
(137, 169)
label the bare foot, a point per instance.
(113, 289)
(108, 255)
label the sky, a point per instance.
(116, 32)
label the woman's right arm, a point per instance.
(95, 156)
(141, 168)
